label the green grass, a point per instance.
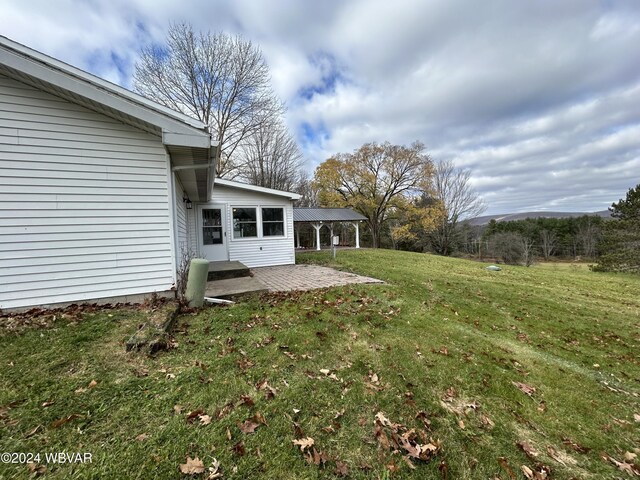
(570, 333)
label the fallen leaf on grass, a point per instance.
(36, 469)
(177, 409)
(528, 450)
(629, 456)
(486, 421)
(625, 467)
(523, 387)
(246, 400)
(250, 425)
(424, 417)
(341, 469)
(561, 458)
(450, 394)
(225, 410)
(194, 466)
(528, 473)
(142, 372)
(297, 430)
(291, 355)
(32, 432)
(204, 419)
(239, 449)
(304, 443)
(48, 403)
(504, 463)
(192, 415)
(393, 468)
(244, 364)
(397, 437)
(62, 421)
(444, 469)
(269, 391)
(636, 417)
(314, 457)
(214, 470)
(384, 421)
(577, 447)
(92, 384)
(80, 390)
(142, 437)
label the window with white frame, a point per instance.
(273, 222)
(245, 222)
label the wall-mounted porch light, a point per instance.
(187, 202)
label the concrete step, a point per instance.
(226, 270)
(234, 287)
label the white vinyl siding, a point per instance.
(261, 251)
(83, 203)
(192, 230)
(182, 226)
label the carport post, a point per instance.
(298, 236)
(355, 224)
(317, 227)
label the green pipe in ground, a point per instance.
(197, 282)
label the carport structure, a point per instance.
(325, 217)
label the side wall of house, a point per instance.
(84, 203)
(253, 252)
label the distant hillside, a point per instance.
(507, 217)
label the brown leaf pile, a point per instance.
(412, 443)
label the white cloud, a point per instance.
(541, 100)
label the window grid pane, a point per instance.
(212, 226)
(273, 222)
(245, 223)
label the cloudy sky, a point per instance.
(540, 99)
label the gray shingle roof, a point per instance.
(326, 215)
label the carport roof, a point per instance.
(308, 214)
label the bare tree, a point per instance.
(548, 243)
(528, 251)
(307, 190)
(220, 79)
(507, 247)
(271, 158)
(451, 187)
(587, 236)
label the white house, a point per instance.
(95, 185)
(253, 225)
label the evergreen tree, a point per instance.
(620, 244)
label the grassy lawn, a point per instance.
(534, 367)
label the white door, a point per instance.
(213, 235)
